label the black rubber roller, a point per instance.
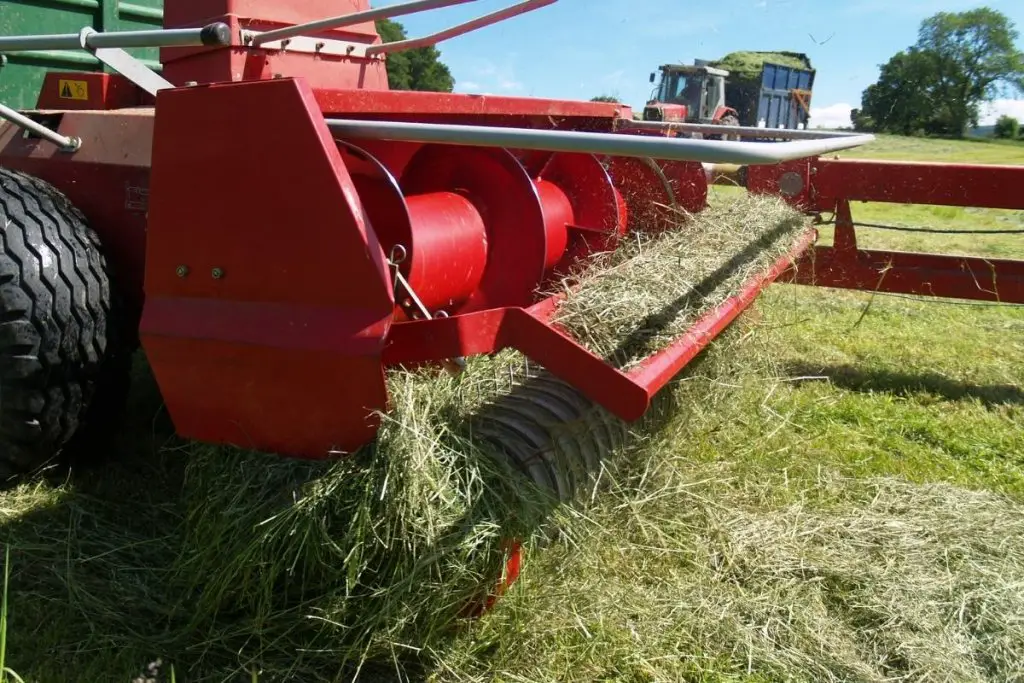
(552, 433)
(218, 34)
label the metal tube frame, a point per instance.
(459, 29)
(217, 34)
(344, 20)
(741, 131)
(66, 144)
(611, 144)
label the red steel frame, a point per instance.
(830, 185)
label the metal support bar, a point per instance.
(67, 144)
(742, 131)
(343, 20)
(460, 29)
(611, 144)
(132, 69)
(217, 34)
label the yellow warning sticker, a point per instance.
(73, 90)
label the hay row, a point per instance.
(642, 296)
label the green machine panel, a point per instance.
(21, 73)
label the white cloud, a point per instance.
(487, 77)
(997, 108)
(832, 116)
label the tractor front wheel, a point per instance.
(57, 336)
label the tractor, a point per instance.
(690, 94)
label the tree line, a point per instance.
(938, 85)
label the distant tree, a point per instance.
(419, 69)
(605, 98)
(1007, 128)
(901, 101)
(861, 121)
(977, 60)
(937, 86)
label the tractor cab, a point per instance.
(690, 94)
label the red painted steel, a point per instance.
(459, 108)
(449, 248)
(978, 185)
(505, 195)
(558, 215)
(209, 65)
(102, 91)
(598, 212)
(937, 275)
(273, 338)
(830, 185)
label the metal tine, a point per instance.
(344, 20)
(611, 144)
(460, 29)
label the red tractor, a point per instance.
(691, 94)
(274, 228)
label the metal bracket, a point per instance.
(64, 142)
(126, 65)
(307, 45)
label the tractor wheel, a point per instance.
(729, 120)
(57, 342)
(551, 433)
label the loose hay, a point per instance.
(642, 296)
(692, 576)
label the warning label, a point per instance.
(73, 90)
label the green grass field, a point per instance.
(839, 498)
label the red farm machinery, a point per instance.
(274, 228)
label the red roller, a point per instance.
(558, 216)
(450, 248)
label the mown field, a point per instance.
(839, 496)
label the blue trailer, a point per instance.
(784, 100)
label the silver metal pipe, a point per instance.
(458, 30)
(68, 144)
(612, 144)
(742, 131)
(398, 10)
(213, 34)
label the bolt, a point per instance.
(182, 271)
(217, 273)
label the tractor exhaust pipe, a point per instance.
(610, 144)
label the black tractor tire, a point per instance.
(59, 344)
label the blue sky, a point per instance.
(576, 49)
